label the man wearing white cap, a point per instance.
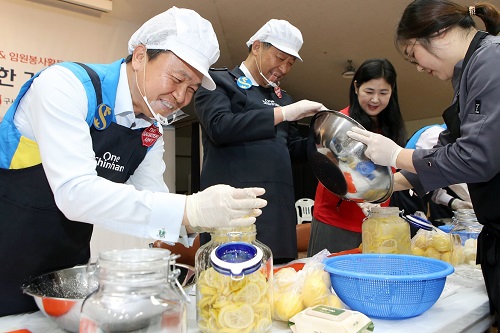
(248, 134)
(82, 145)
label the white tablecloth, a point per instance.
(463, 307)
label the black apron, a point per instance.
(276, 227)
(36, 236)
(485, 203)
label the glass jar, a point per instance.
(464, 232)
(137, 293)
(465, 225)
(234, 274)
(384, 231)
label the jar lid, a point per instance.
(419, 222)
(236, 258)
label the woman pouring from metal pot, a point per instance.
(440, 38)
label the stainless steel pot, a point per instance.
(340, 164)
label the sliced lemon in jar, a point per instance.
(388, 246)
(249, 294)
(237, 315)
(262, 310)
(262, 324)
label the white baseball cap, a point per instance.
(282, 35)
(185, 33)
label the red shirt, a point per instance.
(346, 216)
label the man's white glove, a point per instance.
(366, 207)
(461, 190)
(457, 204)
(224, 206)
(380, 149)
(440, 196)
(301, 109)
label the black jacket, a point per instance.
(243, 148)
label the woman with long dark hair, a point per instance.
(373, 102)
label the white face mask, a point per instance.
(270, 83)
(162, 120)
(168, 119)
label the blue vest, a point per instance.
(109, 74)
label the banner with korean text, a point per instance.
(35, 35)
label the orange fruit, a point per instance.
(57, 307)
(20, 331)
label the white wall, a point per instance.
(48, 32)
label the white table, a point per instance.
(462, 308)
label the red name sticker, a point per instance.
(277, 91)
(150, 135)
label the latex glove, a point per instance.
(380, 149)
(366, 207)
(301, 109)
(457, 204)
(461, 190)
(224, 206)
(440, 196)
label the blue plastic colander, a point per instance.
(388, 286)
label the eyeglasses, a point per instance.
(409, 55)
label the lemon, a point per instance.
(470, 255)
(207, 290)
(249, 294)
(262, 310)
(471, 242)
(441, 242)
(457, 255)
(236, 315)
(388, 246)
(213, 325)
(287, 304)
(263, 325)
(220, 302)
(420, 240)
(432, 253)
(316, 288)
(417, 251)
(333, 301)
(285, 278)
(226, 305)
(446, 256)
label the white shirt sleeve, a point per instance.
(53, 113)
(429, 137)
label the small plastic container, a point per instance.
(137, 293)
(384, 231)
(233, 282)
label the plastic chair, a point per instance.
(304, 213)
(304, 209)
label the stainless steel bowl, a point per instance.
(60, 294)
(340, 164)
